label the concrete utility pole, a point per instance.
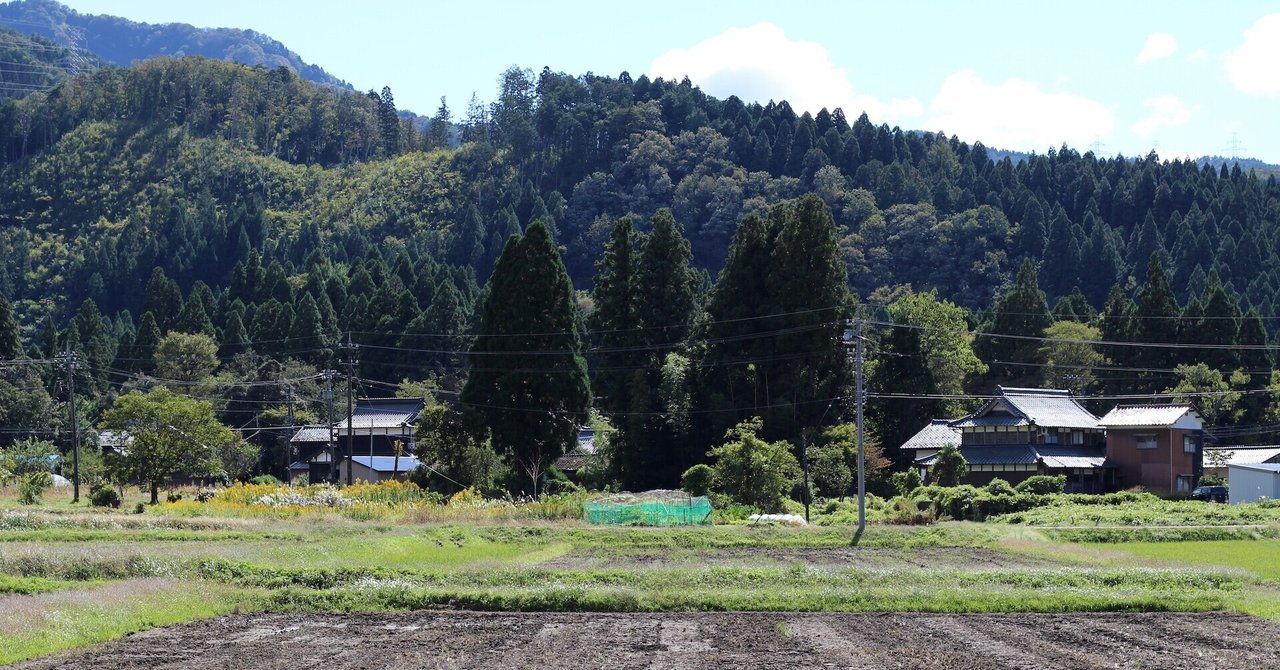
(328, 396)
(69, 360)
(351, 382)
(853, 336)
(862, 460)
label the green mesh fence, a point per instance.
(687, 511)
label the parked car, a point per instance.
(1209, 494)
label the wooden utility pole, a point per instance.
(351, 382)
(69, 359)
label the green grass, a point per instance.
(37, 625)
(1153, 512)
(1260, 557)
(30, 585)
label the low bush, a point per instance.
(103, 495)
(1042, 484)
(266, 480)
(31, 486)
(697, 480)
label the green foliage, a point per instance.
(753, 471)
(171, 434)
(1070, 356)
(28, 455)
(1215, 398)
(1042, 484)
(999, 487)
(460, 455)
(906, 481)
(949, 467)
(31, 486)
(269, 480)
(534, 412)
(104, 495)
(698, 480)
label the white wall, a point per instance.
(1250, 484)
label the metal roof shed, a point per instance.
(1251, 482)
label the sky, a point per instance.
(1181, 78)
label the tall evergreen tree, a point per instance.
(10, 336)
(1155, 320)
(1021, 312)
(615, 322)
(163, 299)
(808, 296)
(529, 379)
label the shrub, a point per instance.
(103, 495)
(269, 480)
(31, 486)
(1212, 480)
(999, 487)
(906, 482)
(949, 467)
(1042, 484)
(753, 471)
(139, 508)
(697, 480)
(173, 497)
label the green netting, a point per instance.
(684, 511)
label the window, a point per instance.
(1185, 482)
(1188, 444)
(1145, 441)
(1077, 437)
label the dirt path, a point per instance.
(693, 641)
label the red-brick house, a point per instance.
(1158, 447)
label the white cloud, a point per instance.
(1165, 111)
(761, 63)
(1015, 114)
(1252, 66)
(1197, 56)
(1158, 46)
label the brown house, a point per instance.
(1158, 447)
(1019, 433)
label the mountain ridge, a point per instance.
(120, 41)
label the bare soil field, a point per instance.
(455, 639)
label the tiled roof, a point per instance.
(1050, 408)
(1244, 455)
(387, 463)
(1071, 456)
(1144, 415)
(1053, 456)
(990, 420)
(938, 434)
(1016, 455)
(375, 413)
(1046, 408)
(311, 434)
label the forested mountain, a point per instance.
(30, 63)
(275, 216)
(121, 42)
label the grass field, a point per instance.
(71, 576)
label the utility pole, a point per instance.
(351, 377)
(288, 440)
(853, 336)
(328, 396)
(862, 460)
(69, 360)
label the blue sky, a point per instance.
(1181, 77)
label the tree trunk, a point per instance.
(155, 493)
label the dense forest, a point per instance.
(716, 248)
